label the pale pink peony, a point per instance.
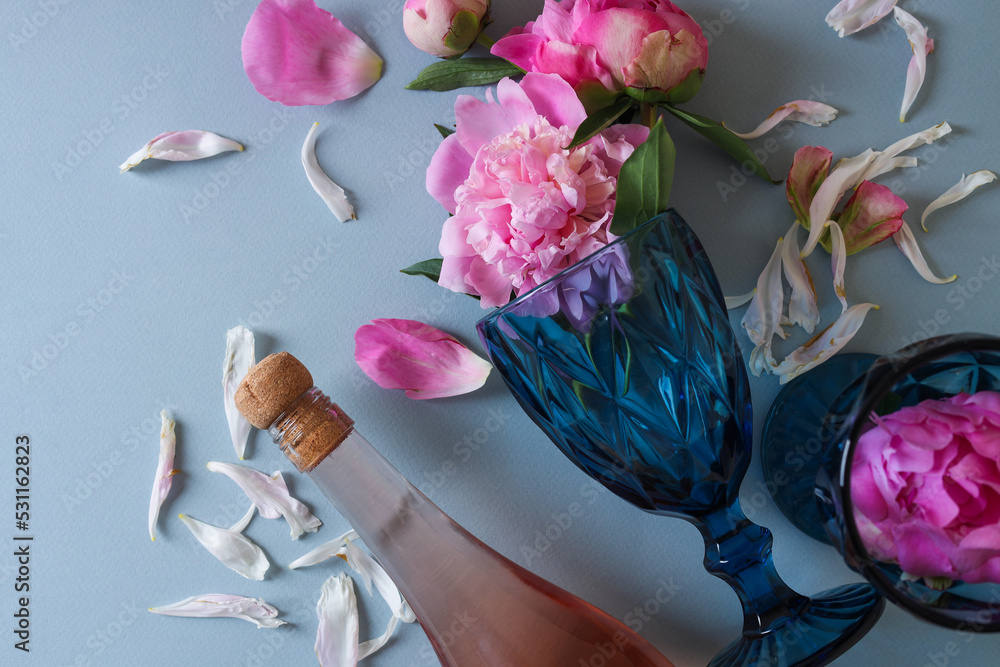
(444, 28)
(525, 207)
(602, 46)
(925, 485)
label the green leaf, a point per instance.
(723, 138)
(430, 268)
(644, 181)
(451, 74)
(445, 131)
(600, 120)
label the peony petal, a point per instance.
(448, 169)
(232, 549)
(907, 243)
(239, 360)
(296, 53)
(842, 178)
(218, 605)
(164, 471)
(331, 193)
(809, 112)
(838, 261)
(371, 571)
(958, 192)
(337, 547)
(763, 318)
(553, 98)
(810, 166)
(181, 147)
(737, 301)
(870, 216)
(337, 635)
(802, 307)
(423, 360)
(826, 344)
(851, 16)
(921, 46)
(271, 496)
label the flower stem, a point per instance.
(648, 114)
(486, 40)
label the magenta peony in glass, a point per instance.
(524, 206)
(925, 484)
(602, 47)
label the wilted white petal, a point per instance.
(219, 605)
(164, 471)
(842, 178)
(242, 524)
(337, 547)
(371, 571)
(181, 146)
(337, 636)
(763, 318)
(234, 550)
(331, 193)
(239, 360)
(838, 261)
(907, 243)
(271, 496)
(800, 111)
(958, 192)
(850, 16)
(802, 307)
(921, 45)
(888, 159)
(737, 301)
(826, 344)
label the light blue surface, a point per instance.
(119, 288)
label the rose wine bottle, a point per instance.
(477, 607)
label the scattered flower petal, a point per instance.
(410, 355)
(164, 471)
(826, 344)
(870, 216)
(296, 53)
(271, 496)
(921, 45)
(838, 262)
(958, 192)
(802, 307)
(371, 571)
(337, 547)
(234, 550)
(181, 147)
(809, 112)
(219, 605)
(737, 301)
(907, 243)
(887, 160)
(239, 360)
(337, 635)
(809, 169)
(851, 16)
(763, 318)
(331, 193)
(842, 178)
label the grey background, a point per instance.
(149, 269)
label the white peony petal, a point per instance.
(802, 307)
(921, 46)
(164, 471)
(800, 111)
(242, 524)
(371, 571)
(737, 301)
(958, 192)
(337, 547)
(842, 178)
(337, 635)
(234, 550)
(219, 605)
(826, 344)
(331, 193)
(851, 16)
(907, 243)
(180, 147)
(271, 496)
(239, 360)
(838, 261)
(763, 318)
(887, 160)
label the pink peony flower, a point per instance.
(411, 355)
(296, 53)
(524, 207)
(602, 46)
(925, 484)
(444, 28)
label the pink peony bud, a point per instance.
(871, 216)
(445, 28)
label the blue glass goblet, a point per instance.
(628, 363)
(808, 447)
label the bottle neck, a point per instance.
(310, 428)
